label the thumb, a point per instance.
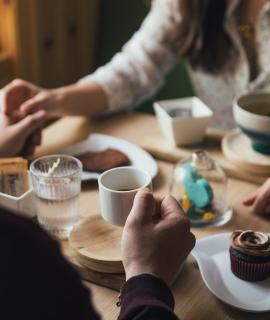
(250, 201)
(170, 206)
(143, 207)
(30, 123)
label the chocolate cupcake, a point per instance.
(250, 255)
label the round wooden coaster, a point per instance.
(237, 148)
(97, 245)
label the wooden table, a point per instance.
(193, 299)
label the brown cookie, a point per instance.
(101, 161)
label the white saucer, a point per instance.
(97, 142)
(212, 255)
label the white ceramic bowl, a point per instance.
(183, 130)
(255, 126)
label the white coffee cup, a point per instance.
(117, 189)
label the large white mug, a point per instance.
(117, 189)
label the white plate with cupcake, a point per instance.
(236, 268)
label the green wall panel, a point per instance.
(119, 20)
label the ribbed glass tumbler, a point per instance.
(56, 181)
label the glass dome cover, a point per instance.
(199, 183)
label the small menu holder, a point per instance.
(23, 204)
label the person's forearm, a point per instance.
(79, 99)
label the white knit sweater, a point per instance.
(139, 70)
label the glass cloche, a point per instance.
(199, 184)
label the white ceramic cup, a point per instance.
(117, 189)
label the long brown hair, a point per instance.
(202, 38)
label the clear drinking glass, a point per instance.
(56, 181)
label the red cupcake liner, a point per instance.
(249, 271)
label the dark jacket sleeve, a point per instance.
(36, 281)
(146, 297)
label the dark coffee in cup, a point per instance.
(260, 108)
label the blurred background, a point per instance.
(56, 42)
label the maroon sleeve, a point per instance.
(146, 297)
(36, 281)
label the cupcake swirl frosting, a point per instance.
(251, 242)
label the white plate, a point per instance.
(212, 255)
(97, 142)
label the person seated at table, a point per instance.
(38, 283)
(225, 43)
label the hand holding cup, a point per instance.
(156, 237)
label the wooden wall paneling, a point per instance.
(66, 32)
(49, 21)
(6, 69)
(27, 35)
(68, 9)
(78, 41)
(88, 22)
(53, 41)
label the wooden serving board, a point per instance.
(94, 250)
(109, 280)
(156, 144)
(97, 245)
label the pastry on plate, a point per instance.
(250, 255)
(100, 161)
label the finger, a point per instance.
(157, 213)
(34, 104)
(30, 123)
(263, 198)
(143, 207)
(261, 204)
(158, 202)
(173, 215)
(15, 94)
(192, 240)
(250, 201)
(170, 206)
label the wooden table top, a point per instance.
(193, 299)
